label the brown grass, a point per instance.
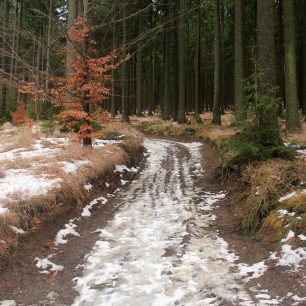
(29, 213)
(24, 138)
(268, 181)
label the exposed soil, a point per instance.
(21, 281)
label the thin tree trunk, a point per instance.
(304, 57)
(139, 72)
(240, 110)
(167, 65)
(5, 23)
(197, 63)
(125, 107)
(114, 38)
(292, 120)
(216, 108)
(222, 60)
(72, 4)
(181, 61)
(48, 44)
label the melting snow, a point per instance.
(97, 143)
(17, 230)
(248, 272)
(3, 210)
(23, 181)
(122, 168)
(123, 182)
(286, 197)
(290, 235)
(86, 210)
(70, 167)
(68, 230)
(302, 237)
(88, 187)
(46, 265)
(289, 257)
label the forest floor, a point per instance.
(167, 236)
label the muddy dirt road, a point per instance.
(155, 241)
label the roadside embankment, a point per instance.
(43, 176)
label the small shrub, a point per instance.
(113, 135)
(20, 117)
(190, 130)
(49, 126)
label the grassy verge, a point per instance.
(259, 176)
(72, 165)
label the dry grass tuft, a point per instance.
(209, 132)
(6, 126)
(24, 138)
(274, 226)
(267, 182)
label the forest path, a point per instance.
(157, 245)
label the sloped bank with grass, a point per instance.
(44, 176)
(268, 186)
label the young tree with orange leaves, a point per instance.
(82, 94)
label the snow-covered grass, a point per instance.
(35, 168)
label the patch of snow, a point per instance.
(289, 257)
(98, 143)
(123, 182)
(17, 230)
(248, 272)
(298, 299)
(302, 152)
(286, 197)
(3, 210)
(86, 210)
(290, 235)
(284, 212)
(122, 168)
(107, 185)
(54, 140)
(68, 230)
(8, 303)
(88, 187)
(46, 265)
(23, 181)
(70, 167)
(302, 237)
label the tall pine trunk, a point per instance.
(304, 57)
(292, 115)
(240, 109)
(5, 23)
(139, 72)
(216, 108)
(114, 41)
(181, 63)
(197, 70)
(72, 9)
(266, 110)
(48, 44)
(167, 69)
(125, 106)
